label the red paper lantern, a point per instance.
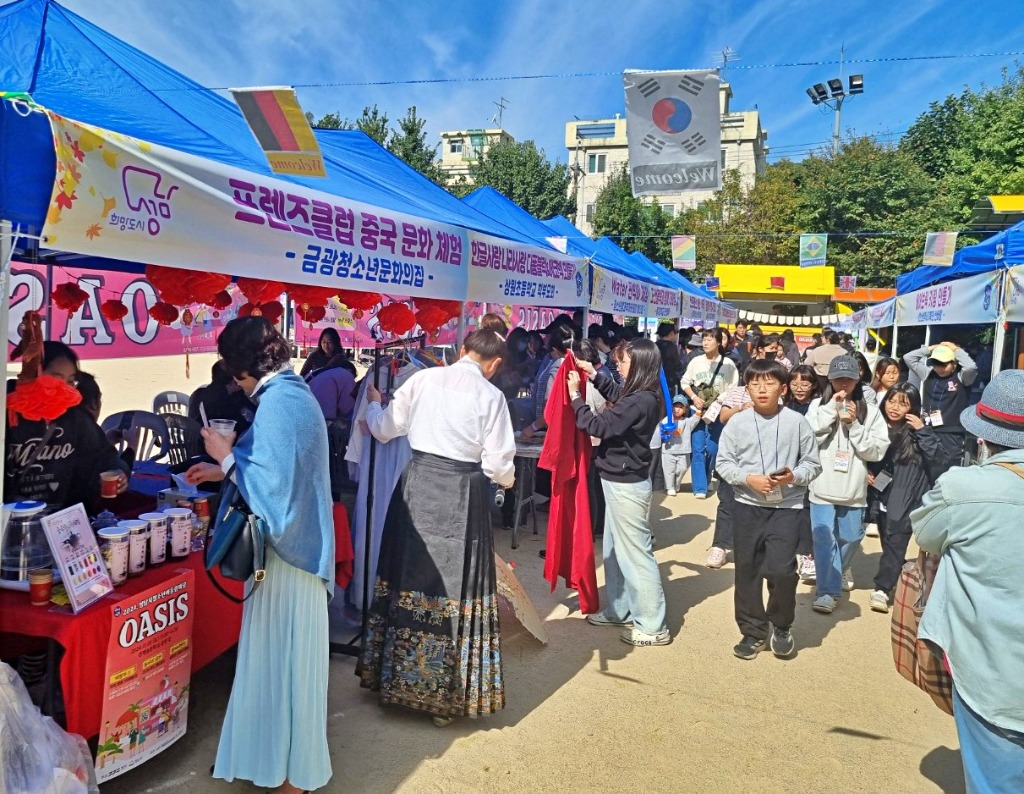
(272, 311)
(163, 313)
(258, 291)
(113, 310)
(311, 314)
(221, 300)
(180, 286)
(42, 399)
(359, 301)
(69, 297)
(312, 296)
(396, 318)
(431, 318)
(450, 308)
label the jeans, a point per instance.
(704, 446)
(993, 757)
(674, 466)
(631, 577)
(766, 541)
(837, 532)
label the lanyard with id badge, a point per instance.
(774, 496)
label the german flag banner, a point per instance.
(282, 130)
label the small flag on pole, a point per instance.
(939, 248)
(684, 252)
(282, 130)
(813, 248)
(778, 282)
(847, 283)
(712, 282)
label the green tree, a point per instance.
(372, 122)
(409, 142)
(522, 172)
(629, 222)
(330, 121)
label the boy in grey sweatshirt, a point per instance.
(769, 455)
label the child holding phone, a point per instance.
(769, 456)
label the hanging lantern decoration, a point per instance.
(311, 314)
(113, 310)
(163, 313)
(69, 297)
(272, 311)
(430, 319)
(181, 287)
(359, 302)
(42, 399)
(221, 300)
(257, 291)
(451, 309)
(396, 318)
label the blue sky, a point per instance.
(224, 43)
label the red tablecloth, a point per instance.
(84, 636)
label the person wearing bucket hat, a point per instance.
(946, 373)
(972, 518)
(850, 434)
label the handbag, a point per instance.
(919, 661)
(237, 543)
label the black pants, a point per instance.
(596, 501)
(895, 540)
(724, 516)
(766, 543)
(657, 475)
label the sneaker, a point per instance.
(701, 495)
(641, 639)
(782, 643)
(599, 619)
(716, 557)
(871, 530)
(671, 492)
(847, 581)
(880, 601)
(749, 647)
(825, 603)
(808, 572)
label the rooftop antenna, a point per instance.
(501, 105)
(725, 55)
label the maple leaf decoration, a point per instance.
(93, 231)
(65, 201)
(76, 150)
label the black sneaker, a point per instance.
(783, 643)
(749, 647)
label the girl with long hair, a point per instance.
(636, 598)
(901, 479)
(851, 434)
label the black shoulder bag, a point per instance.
(237, 543)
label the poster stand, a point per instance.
(354, 646)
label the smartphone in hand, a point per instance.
(779, 473)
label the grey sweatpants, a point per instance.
(674, 466)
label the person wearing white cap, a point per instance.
(946, 373)
(975, 611)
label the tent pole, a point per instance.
(6, 254)
(927, 336)
(460, 333)
(999, 339)
(895, 330)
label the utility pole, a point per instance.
(835, 95)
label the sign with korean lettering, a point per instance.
(127, 199)
(1015, 295)
(967, 301)
(148, 670)
(699, 312)
(501, 271)
(663, 303)
(727, 315)
(615, 294)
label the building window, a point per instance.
(455, 146)
(590, 213)
(669, 209)
(723, 159)
(596, 163)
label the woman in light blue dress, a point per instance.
(275, 729)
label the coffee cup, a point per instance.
(180, 526)
(110, 482)
(115, 547)
(157, 523)
(223, 426)
(40, 586)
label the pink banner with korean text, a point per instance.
(92, 335)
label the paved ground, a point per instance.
(588, 712)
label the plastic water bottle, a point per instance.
(499, 497)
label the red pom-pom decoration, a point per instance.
(311, 314)
(257, 291)
(449, 308)
(179, 286)
(431, 318)
(113, 310)
(396, 318)
(359, 301)
(163, 313)
(42, 399)
(69, 297)
(221, 300)
(272, 311)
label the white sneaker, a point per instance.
(847, 581)
(641, 639)
(701, 495)
(879, 601)
(808, 572)
(716, 557)
(825, 603)
(671, 492)
(871, 530)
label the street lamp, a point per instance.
(832, 97)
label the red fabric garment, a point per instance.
(566, 454)
(344, 555)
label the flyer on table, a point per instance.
(149, 665)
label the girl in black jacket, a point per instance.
(636, 598)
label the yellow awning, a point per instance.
(993, 213)
(772, 282)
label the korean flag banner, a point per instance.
(674, 131)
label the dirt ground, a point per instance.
(588, 712)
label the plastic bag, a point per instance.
(36, 755)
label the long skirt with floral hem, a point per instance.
(432, 641)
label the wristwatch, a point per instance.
(574, 395)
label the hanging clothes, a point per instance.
(566, 454)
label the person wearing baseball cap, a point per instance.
(972, 517)
(945, 372)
